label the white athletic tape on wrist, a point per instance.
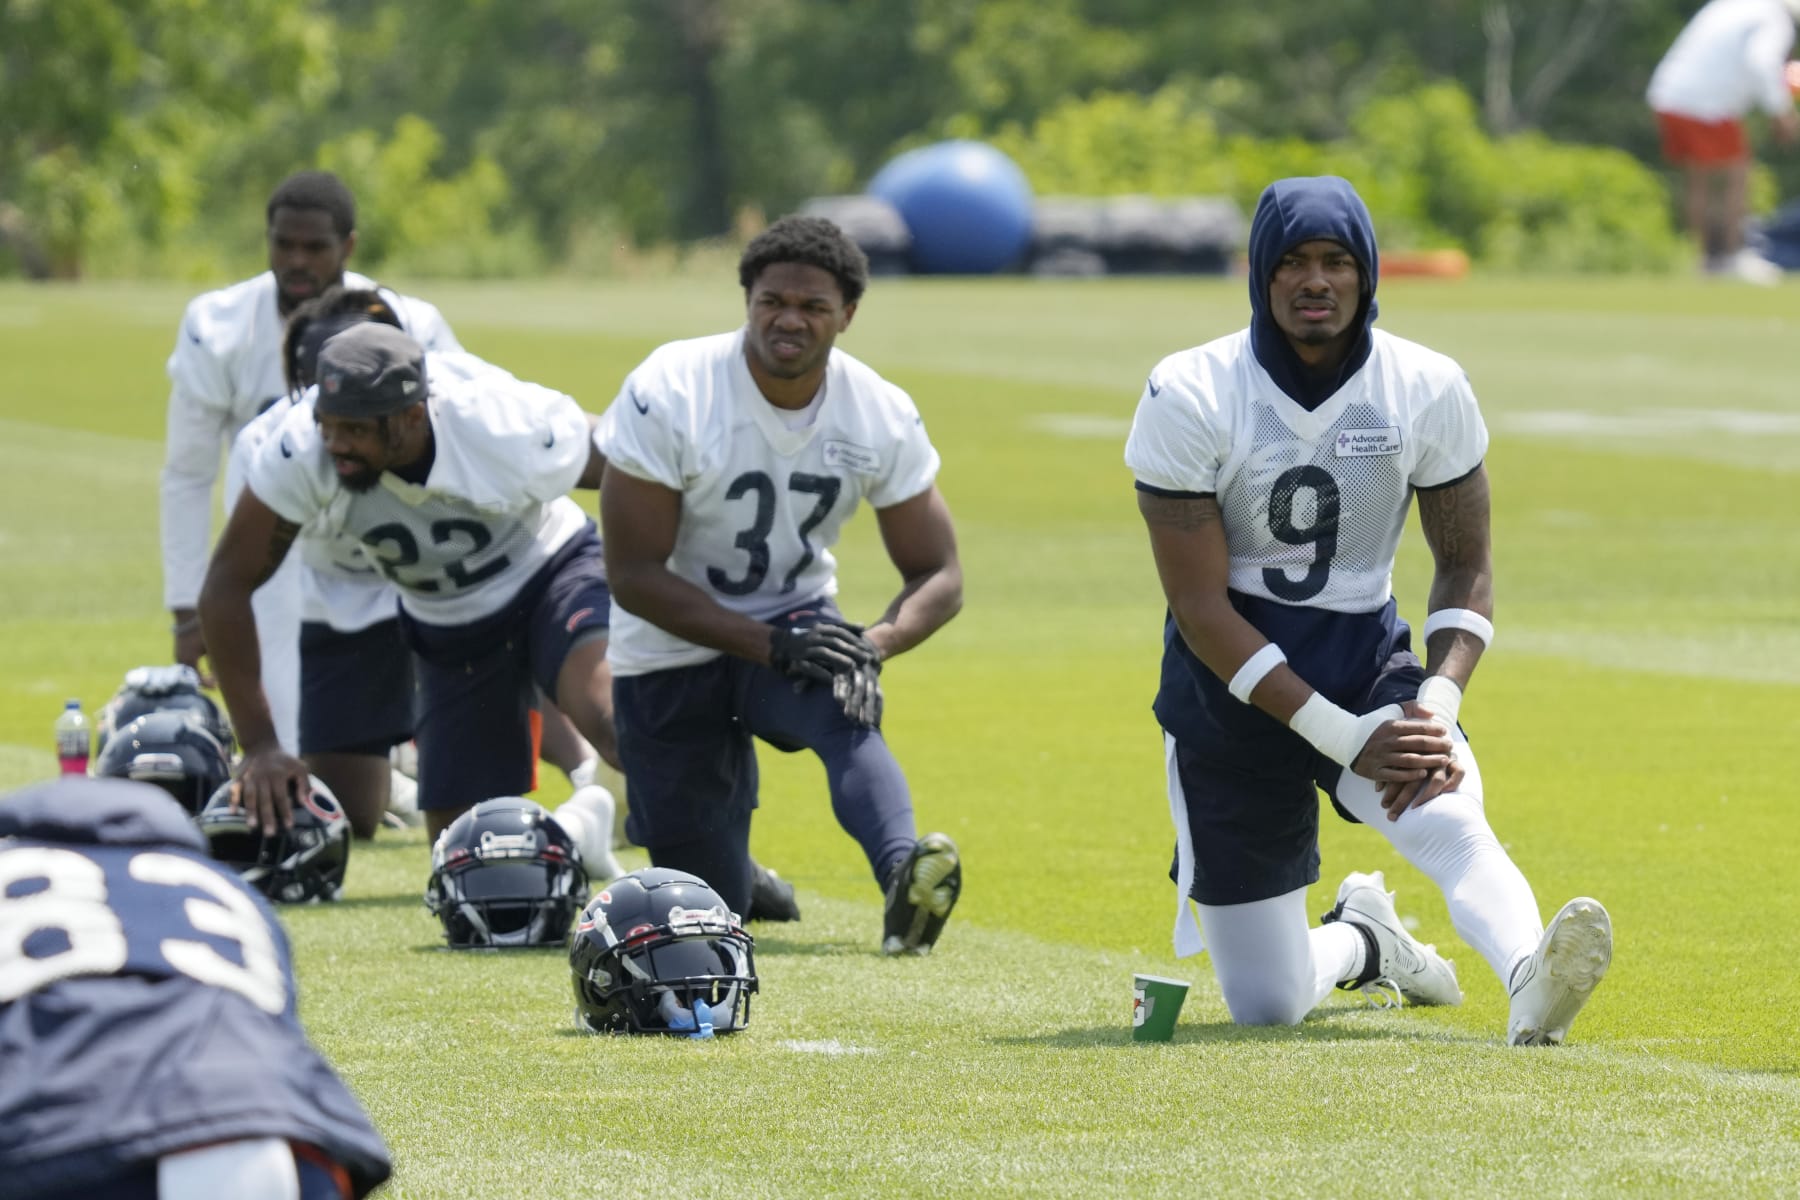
(1442, 696)
(1465, 619)
(1338, 734)
(1256, 668)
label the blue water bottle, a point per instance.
(74, 739)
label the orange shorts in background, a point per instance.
(1690, 143)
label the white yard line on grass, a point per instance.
(1770, 658)
(1081, 425)
(1651, 423)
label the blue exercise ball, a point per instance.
(967, 205)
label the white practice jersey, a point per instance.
(1313, 502)
(339, 585)
(492, 510)
(1727, 61)
(761, 504)
(225, 369)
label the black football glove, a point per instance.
(819, 652)
(859, 693)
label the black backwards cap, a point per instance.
(369, 370)
(313, 339)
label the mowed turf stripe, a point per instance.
(1004, 1065)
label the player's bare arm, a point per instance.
(639, 521)
(190, 643)
(596, 463)
(195, 431)
(921, 543)
(1187, 540)
(1454, 520)
(254, 543)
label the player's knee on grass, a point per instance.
(361, 784)
(1266, 998)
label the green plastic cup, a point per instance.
(1156, 1002)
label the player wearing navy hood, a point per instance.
(1274, 470)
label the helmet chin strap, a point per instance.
(699, 1019)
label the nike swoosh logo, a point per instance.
(1151, 384)
(193, 337)
(287, 451)
(638, 404)
(550, 439)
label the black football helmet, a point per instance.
(161, 689)
(171, 749)
(657, 951)
(289, 866)
(506, 874)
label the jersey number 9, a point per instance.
(1321, 534)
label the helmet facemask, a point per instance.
(644, 964)
(170, 749)
(289, 866)
(505, 874)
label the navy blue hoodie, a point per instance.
(1298, 210)
(1338, 653)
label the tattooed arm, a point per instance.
(254, 543)
(1187, 537)
(1455, 522)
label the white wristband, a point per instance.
(1256, 668)
(1336, 733)
(1465, 619)
(1442, 697)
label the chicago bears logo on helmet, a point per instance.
(658, 951)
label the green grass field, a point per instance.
(1638, 724)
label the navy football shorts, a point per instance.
(1253, 807)
(478, 682)
(356, 689)
(686, 739)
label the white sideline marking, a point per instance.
(1080, 425)
(1661, 422)
(828, 1046)
(1770, 659)
(1657, 423)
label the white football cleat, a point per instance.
(1550, 987)
(403, 802)
(583, 774)
(587, 817)
(405, 758)
(1400, 959)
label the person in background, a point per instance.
(225, 369)
(1728, 61)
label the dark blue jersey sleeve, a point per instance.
(147, 1006)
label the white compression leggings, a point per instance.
(1274, 967)
(253, 1169)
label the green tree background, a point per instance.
(518, 137)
